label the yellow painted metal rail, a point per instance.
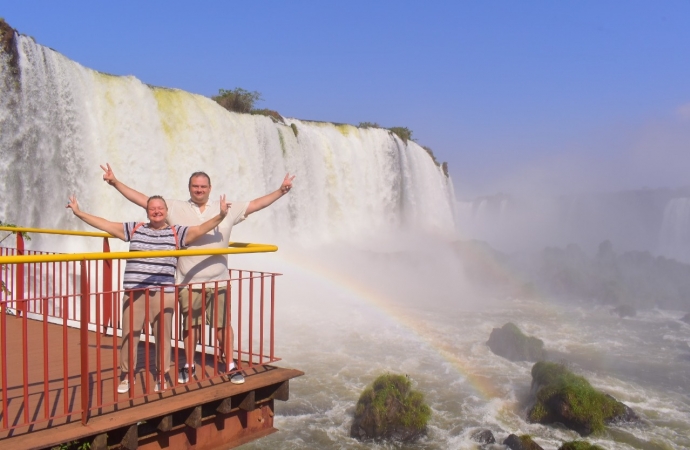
(233, 248)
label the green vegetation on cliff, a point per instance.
(403, 133)
(237, 100)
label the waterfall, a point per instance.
(674, 239)
(59, 121)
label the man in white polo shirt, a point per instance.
(211, 272)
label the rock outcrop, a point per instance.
(563, 397)
(511, 343)
(483, 437)
(523, 442)
(390, 409)
(8, 46)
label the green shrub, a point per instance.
(368, 125)
(237, 100)
(274, 115)
(587, 409)
(391, 408)
(294, 129)
(24, 234)
(403, 133)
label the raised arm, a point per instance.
(130, 194)
(199, 230)
(114, 228)
(267, 200)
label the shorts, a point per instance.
(209, 294)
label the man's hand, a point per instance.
(224, 206)
(287, 184)
(109, 176)
(72, 204)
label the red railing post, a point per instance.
(273, 312)
(251, 318)
(84, 344)
(239, 324)
(261, 320)
(19, 278)
(3, 357)
(107, 288)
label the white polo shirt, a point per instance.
(199, 269)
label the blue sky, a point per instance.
(518, 97)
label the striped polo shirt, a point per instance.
(147, 272)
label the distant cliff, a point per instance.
(654, 220)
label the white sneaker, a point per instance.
(123, 388)
(186, 374)
(157, 387)
(237, 378)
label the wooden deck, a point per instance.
(64, 395)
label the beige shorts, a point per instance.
(209, 300)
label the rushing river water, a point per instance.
(343, 335)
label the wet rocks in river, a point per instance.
(523, 442)
(483, 437)
(563, 397)
(624, 311)
(511, 343)
(579, 445)
(390, 409)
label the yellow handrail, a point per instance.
(49, 231)
(237, 248)
(233, 248)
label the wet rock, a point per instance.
(624, 311)
(483, 437)
(511, 343)
(569, 399)
(8, 45)
(624, 416)
(390, 409)
(523, 442)
(579, 445)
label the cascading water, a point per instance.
(346, 312)
(67, 119)
(674, 239)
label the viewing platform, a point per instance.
(60, 337)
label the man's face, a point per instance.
(199, 190)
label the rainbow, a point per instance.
(482, 385)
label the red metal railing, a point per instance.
(69, 320)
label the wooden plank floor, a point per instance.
(60, 400)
